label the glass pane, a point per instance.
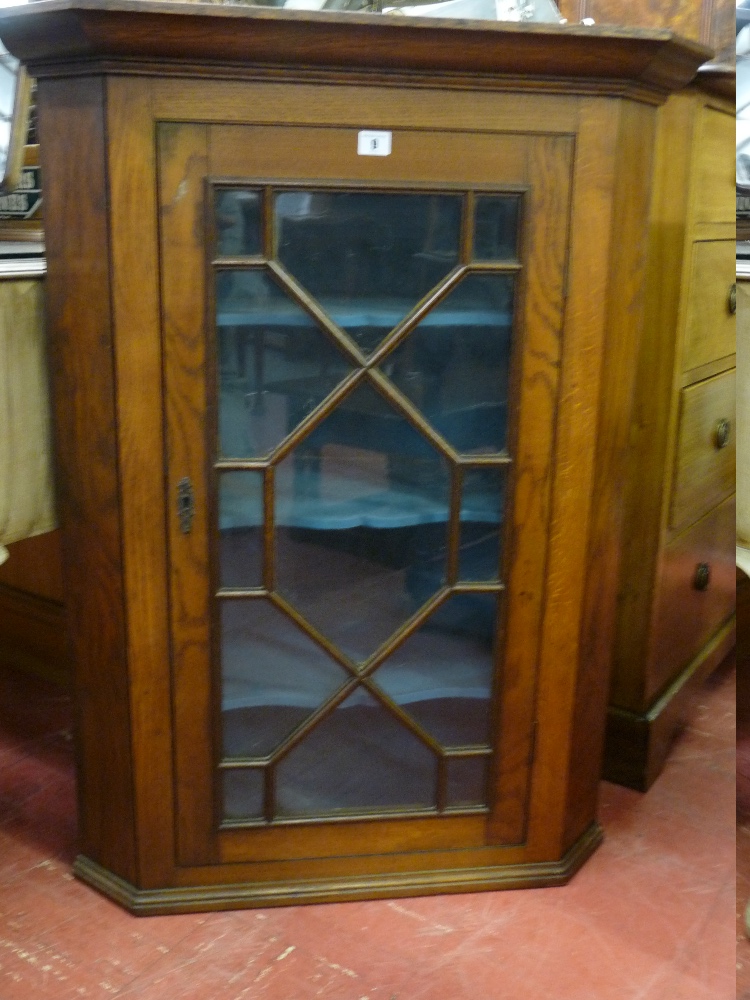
(361, 523)
(275, 364)
(496, 227)
(241, 529)
(237, 223)
(9, 78)
(243, 793)
(359, 757)
(482, 502)
(273, 677)
(454, 366)
(368, 258)
(467, 781)
(442, 675)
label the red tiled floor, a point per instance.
(649, 917)
(743, 830)
(742, 897)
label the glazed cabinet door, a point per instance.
(361, 359)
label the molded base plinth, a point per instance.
(638, 743)
(186, 899)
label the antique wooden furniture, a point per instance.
(710, 22)
(677, 586)
(341, 436)
(743, 476)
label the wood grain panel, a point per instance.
(625, 303)
(34, 636)
(316, 841)
(710, 328)
(684, 17)
(35, 566)
(721, 34)
(349, 106)
(594, 173)
(183, 166)
(572, 10)
(714, 187)
(332, 152)
(686, 618)
(436, 862)
(704, 473)
(135, 260)
(71, 114)
(549, 177)
(654, 420)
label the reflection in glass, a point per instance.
(454, 366)
(496, 227)
(467, 781)
(14, 90)
(9, 67)
(442, 674)
(361, 522)
(241, 529)
(368, 258)
(243, 793)
(360, 757)
(482, 500)
(237, 223)
(273, 677)
(276, 365)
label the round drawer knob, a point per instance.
(722, 432)
(732, 299)
(702, 576)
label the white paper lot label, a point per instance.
(374, 143)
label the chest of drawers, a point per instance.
(676, 597)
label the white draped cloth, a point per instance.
(26, 486)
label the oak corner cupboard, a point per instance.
(343, 313)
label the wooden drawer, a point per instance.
(704, 470)
(714, 191)
(710, 330)
(685, 617)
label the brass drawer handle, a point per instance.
(722, 432)
(732, 300)
(702, 576)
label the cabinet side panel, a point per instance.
(135, 298)
(72, 131)
(594, 172)
(625, 299)
(651, 435)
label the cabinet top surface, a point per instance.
(51, 35)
